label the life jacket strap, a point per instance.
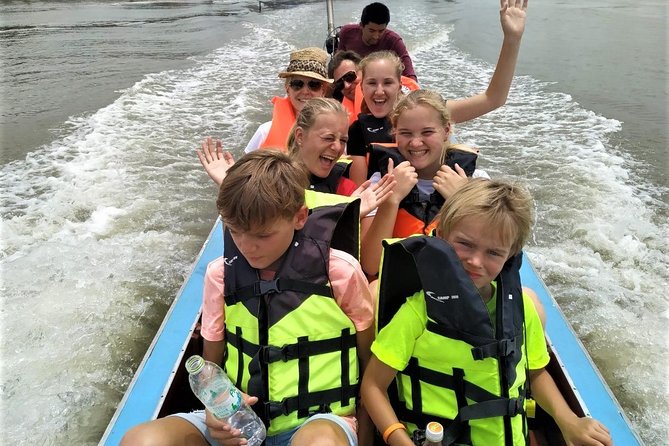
(270, 353)
(308, 404)
(498, 349)
(504, 407)
(242, 345)
(264, 287)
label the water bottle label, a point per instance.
(225, 404)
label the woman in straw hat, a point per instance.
(305, 77)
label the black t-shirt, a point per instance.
(365, 130)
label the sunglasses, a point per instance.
(348, 77)
(298, 84)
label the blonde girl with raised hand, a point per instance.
(421, 124)
(381, 86)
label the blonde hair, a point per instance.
(261, 187)
(306, 119)
(390, 56)
(505, 207)
(394, 60)
(426, 98)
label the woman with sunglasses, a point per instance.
(381, 87)
(343, 68)
(305, 78)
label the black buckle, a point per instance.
(270, 354)
(502, 348)
(506, 347)
(323, 408)
(516, 406)
(274, 409)
(263, 287)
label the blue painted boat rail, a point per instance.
(579, 369)
(155, 373)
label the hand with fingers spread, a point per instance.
(372, 195)
(225, 434)
(406, 177)
(447, 180)
(215, 161)
(512, 14)
(585, 432)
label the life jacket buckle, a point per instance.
(323, 408)
(263, 287)
(516, 406)
(274, 409)
(502, 349)
(270, 353)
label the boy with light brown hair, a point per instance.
(289, 317)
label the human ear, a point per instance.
(447, 129)
(301, 218)
(299, 136)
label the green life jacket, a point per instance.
(287, 340)
(467, 371)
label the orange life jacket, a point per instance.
(409, 84)
(407, 225)
(283, 119)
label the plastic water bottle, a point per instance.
(434, 433)
(213, 387)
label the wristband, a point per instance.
(390, 429)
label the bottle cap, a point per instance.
(194, 364)
(434, 431)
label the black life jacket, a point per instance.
(330, 184)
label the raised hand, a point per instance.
(215, 161)
(406, 177)
(512, 14)
(372, 195)
(447, 180)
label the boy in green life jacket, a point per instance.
(457, 333)
(289, 317)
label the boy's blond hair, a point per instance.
(306, 119)
(505, 206)
(261, 187)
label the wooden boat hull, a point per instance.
(160, 385)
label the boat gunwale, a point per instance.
(141, 368)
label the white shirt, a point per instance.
(258, 137)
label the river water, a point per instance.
(104, 204)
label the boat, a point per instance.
(160, 385)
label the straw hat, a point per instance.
(308, 62)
